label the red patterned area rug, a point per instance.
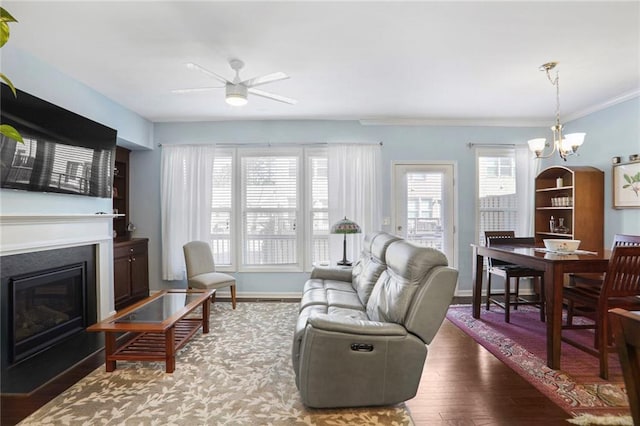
(521, 344)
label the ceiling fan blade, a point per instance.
(197, 67)
(195, 89)
(272, 96)
(269, 78)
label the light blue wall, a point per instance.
(613, 132)
(39, 79)
(401, 143)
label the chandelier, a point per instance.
(565, 144)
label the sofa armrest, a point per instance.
(340, 324)
(329, 273)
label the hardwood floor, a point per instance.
(462, 384)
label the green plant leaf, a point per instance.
(627, 178)
(6, 16)
(9, 83)
(4, 33)
(10, 132)
(625, 186)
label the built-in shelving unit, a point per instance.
(121, 193)
(130, 255)
(576, 195)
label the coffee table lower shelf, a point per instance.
(149, 346)
(160, 325)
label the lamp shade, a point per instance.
(537, 145)
(575, 140)
(345, 226)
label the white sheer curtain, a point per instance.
(354, 192)
(187, 175)
(527, 168)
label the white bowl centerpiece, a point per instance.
(561, 245)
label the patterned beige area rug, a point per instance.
(238, 374)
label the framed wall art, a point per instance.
(626, 185)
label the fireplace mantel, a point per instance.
(26, 233)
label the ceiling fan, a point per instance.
(236, 91)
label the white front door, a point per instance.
(424, 205)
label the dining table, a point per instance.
(555, 265)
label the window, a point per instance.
(260, 217)
(221, 208)
(497, 198)
(269, 210)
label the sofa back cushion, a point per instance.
(365, 256)
(407, 269)
(366, 273)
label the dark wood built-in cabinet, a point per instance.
(576, 195)
(130, 255)
(121, 192)
(130, 272)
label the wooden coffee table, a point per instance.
(160, 326)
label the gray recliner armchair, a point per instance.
(362, 336)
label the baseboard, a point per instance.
(258, 296)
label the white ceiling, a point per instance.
(444, 61)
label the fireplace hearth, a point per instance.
(47, 299)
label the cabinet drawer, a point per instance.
(128, 249)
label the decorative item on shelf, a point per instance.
(561, 229)
(634, 157)
(565, 144)
(615, 160)
(345, 226)
(131, 227)
(552, 224)
(559, 182)
(115, 192)
(115, 171)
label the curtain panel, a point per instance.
(527, 168)
(355, 191)
(186, 190)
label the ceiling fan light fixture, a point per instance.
(236, 94)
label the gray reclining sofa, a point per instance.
(362, 334)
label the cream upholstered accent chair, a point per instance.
(201, 270)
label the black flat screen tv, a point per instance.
(62, 151)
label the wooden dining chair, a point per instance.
(596, 279)
(620, 289)
(508, 298)
(626, 331)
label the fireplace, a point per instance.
(54, 242)
(48, 298)
(45, 307)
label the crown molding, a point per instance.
(480, 122)
(498, 122)
(603, 105)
